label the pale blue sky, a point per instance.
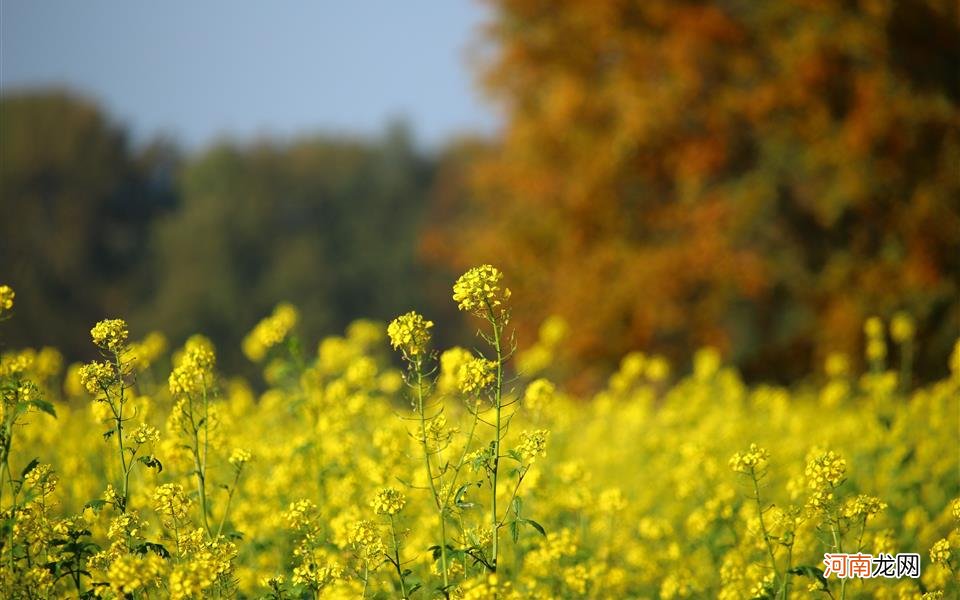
(199, 69)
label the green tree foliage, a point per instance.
(76, 205)
(760, 176)
(93, 227)
(329, 224)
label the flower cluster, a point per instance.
(533, 444)
(876, 344)
(863, 506)
(410, 333)
(6, 299)
(479, 291)
(145, 434)
(270, 332)
(940, 552)
(388, 501)
(752, 461)
(476, 375)
(359, 492)
(239, 457)
(902, 327)
(96, 377)
(170, 500)
(365, 539)
(110, 334)
(825, 469)
(194, 374)
(130, 573)
(539, 394)
(450, 363)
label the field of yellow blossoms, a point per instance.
(375, 465)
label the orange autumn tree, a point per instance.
(759, 176)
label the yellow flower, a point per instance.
(863, 505)
(97, 376)
(6, 298)
(837, 365)
(110, 334)
(239, 457)
(940, 552)
(366, 540)
(410, 333)
(194, 373)
(388, 501)
(611, 500)
(873, 328)
(753, 460)
(825, 469)
(539, 394)
(270, 332)
(299, 514)
(145, 434)
(476, 375)
(450, 362)
(478, 291)
(658, 369)
(902, 328)
(533, 444)
(129, 573)
(170, 500)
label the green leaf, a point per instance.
(535, 525)
(461, 492)
(107, 434)
(96, 504)
(514, 531)
(30, 465)
(44, 406)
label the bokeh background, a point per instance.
(756, 176)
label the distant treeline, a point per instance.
(92, 227)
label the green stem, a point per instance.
(441, 504)
(906, 363)
(838, 544)
(396, 559)
(784, 586)
(494, 522)
(763, 527)
(118, 413)
(226, 509)
(199, 466)
(366, 579)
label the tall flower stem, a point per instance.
(497, 327)
(440, 502)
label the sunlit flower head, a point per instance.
(410, 333)
(110, 334)
(479, 291)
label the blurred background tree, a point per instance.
(328, 224)
(760, 176)
(77, 206)
(92, 228)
